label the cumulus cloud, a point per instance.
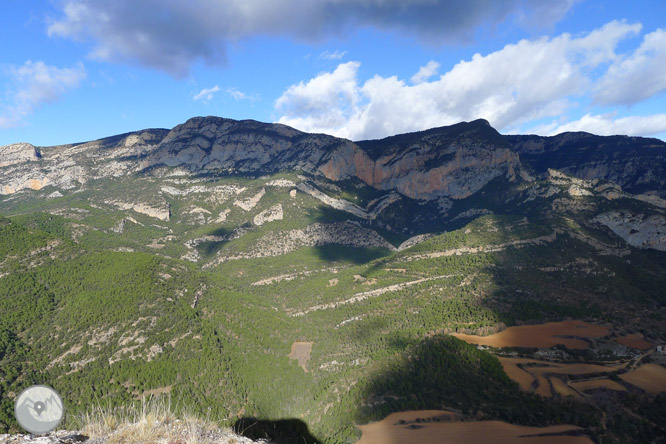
(170, 34)
(326, 103)
(206, 93)
(425, 72)
(33, 84)
(522, 82)
(608, 125)
(638, 76)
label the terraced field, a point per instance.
(555, 376)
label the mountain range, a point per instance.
(254, 270)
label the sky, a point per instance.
(79, 70)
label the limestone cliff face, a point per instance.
(444, 162)
(637, 164)
(18, 153)
(66, 167)
(217, 144)
(452, 162)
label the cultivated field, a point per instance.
(541, 336)
(551, 376)
(441, 427)
(635, 341)
(563, 389)
(594, 384)
(522, 377)
(649, 377)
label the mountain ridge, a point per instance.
(424, 165)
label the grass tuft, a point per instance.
(153, 421)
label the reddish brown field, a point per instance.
(541, 336)
(541, 371)
(635, 341)
(544, 387)
(649, 377)
(592, 384)
(523, 378)
(574, 369)
(563, 389)
(389, 431)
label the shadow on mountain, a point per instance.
(444, 373)
(208, 248)
(330, 227)
(356, 255)
(282, 431)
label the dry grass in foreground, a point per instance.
(153, 422)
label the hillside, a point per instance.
(254, 271)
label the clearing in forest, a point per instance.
(300, 351)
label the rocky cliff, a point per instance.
(440, 164)
(444, 162)
(637, 164)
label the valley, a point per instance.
(260, 272)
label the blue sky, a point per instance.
(77, 70)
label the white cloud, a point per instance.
(206, 93)
(425, 72)
(637, 77)
(608, 125)
(170, 34)
(237, 94)
(335, 55)
(325, 103)
(33, 84)
(522, 82)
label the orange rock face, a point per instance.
(468, 170)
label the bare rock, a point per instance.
(638, 230)
(18, 153)
(273, 213)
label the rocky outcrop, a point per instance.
(65, 167)
(217, 144)
(374, 208)
(638, 230)
(18, 153)
(269, 215)
(250, 202)
(637, 164)
(161, 213)
(314, 235)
